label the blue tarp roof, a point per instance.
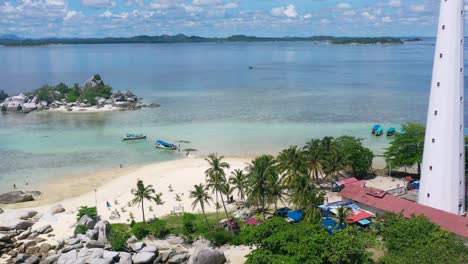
(295, 215)
(284, 210)
(164, 143)
(364, 221)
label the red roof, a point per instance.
(253, 221)
(358, 217)
(380, 199)
(347, 181)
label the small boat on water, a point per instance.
(375, 128)
(165, 145)
(132, 136)
(379, 131)
(391, 131)
(401, 131)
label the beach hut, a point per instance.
(362, 217)
(337, 186)
(230, 225)
(294, 216)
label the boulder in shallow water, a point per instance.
(16, 197)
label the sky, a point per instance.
(218, 18)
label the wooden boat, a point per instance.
(391, 131)
(165, 145)
(132, 136)
(375, 128)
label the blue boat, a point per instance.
(391, 131)
(165, 145)
(375, 128)
(401, 131)
(379, 131)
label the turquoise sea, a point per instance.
(208, 96)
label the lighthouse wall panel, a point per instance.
(442, 173)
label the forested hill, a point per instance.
(194, 39)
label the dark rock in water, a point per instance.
(16, 197)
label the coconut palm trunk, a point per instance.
(143, 210)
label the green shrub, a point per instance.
(90, 94)
(81, 229)
(97, 77)
(140, 230)
(119, 234)
(85, 210)
(73, 95)
(188, 223)
(158, 228)
(219, 238)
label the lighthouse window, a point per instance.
(461, 99)
(438, 84)
(435, 112)
(461, 127)
(433, 140)
(461, 155)
(441, 55)
(443, 26)
(430, 167)
(461, 69)
(428, 195)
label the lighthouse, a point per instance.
(443, 168)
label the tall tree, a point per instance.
(358, 159)
(239, 181)
(291, 164)
(333, 162)
(261, 172)
(342, 215)
(277, 191)
(201, 197)
(143, 193)
(313, 155)
(406, 149)
(216, 178)
(308, 197)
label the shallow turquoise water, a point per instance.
(210, 97)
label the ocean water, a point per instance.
(208, 96)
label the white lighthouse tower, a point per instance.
(443, 167)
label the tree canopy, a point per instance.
(406, 149)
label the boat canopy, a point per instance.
(391, 130)
(134, 135)
(377, 126)
(165, 144)
(402, 131)
(379, 129)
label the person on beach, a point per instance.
(14, 186)
(108, 205)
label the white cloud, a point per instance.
(418, 8)
(106, 14)
(368, 15)
(386, 19)
(207, 2)
(230, 6)
(395, 3)
(343, 6)
(289, 11)
(99, 3)
(70, 14)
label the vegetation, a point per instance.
(156, 228)
(239, 182)
(216, 177)
(72, 94)
(85, 210)
(201, 197)
(81, 229)
(406, 150)
(417, 240)
(119, 234)
(143, 193)
(195, 39)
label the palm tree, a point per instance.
(342, 215)
(292, 164)
(261, 172)
(306, 196)
(201, 197)
(227, 190)
(143, 193)
(333, 163)
(216, 177)
(239, 181)
(313, 156)
(276, 192)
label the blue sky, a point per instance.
(218, 18)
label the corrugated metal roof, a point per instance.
(386, 202)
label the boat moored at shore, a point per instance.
(391, 131)
(133, 136)
(164, 145)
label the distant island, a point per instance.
(93, 96)
(12, 40)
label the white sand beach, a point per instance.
(91, 109)
(115, 187)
